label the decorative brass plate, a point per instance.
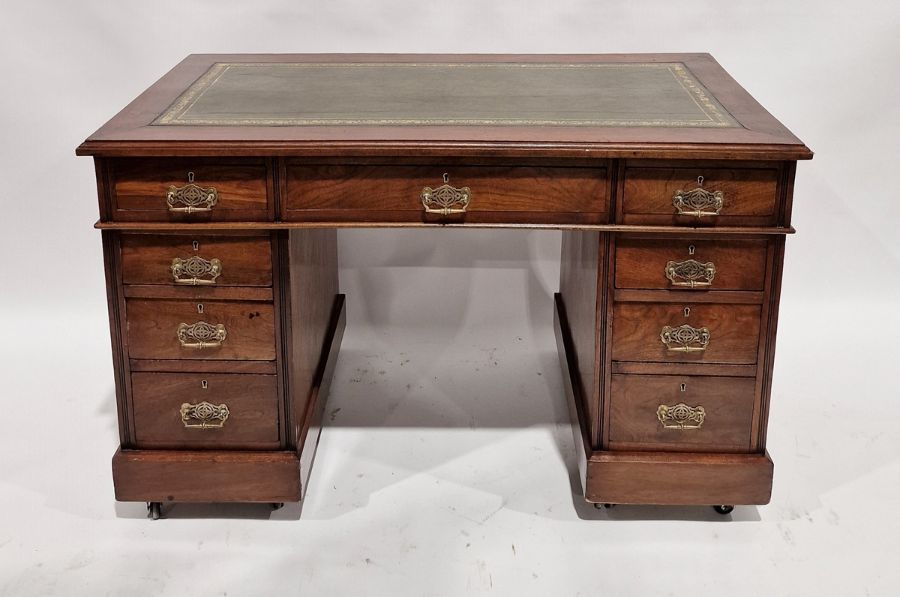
(204, 415)
(681, 416)
(685, 338)
(698, 202)
(691, 273)
(445, 199)
(201, 335)
(196, 271)
(191, 198)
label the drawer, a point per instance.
(700, 196)
(219, 330)
(663, 333)
(385, 193)
(189, 189)
(687, 264)
(681, 413)
(196, 410)
(182, 260)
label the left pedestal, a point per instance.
(224, 343)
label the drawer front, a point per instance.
(193, 410)
(181, 260)
(218, 330)
(687, 264)
(495, 194)
(189, 190)
(681, 413)
(663, 333)
(700, 196)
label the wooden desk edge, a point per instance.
(624, 228)
(312, 148)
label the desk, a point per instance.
(221, 187)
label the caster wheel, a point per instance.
(277, 505)
(723, 510)
(154, 510)
(604, 506)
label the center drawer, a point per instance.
(391, 193)
(194, 410)
(209, 329)
(685, 332)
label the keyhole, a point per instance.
(684, 387)
(691, 249)
(205, 384)
(190, 177)
(699, 181)
(687, 311)
(196, 245)
(446, 178)
(200, 308)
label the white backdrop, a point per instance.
(425, 483)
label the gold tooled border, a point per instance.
(177, 113)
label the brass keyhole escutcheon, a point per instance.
(687, 311)
(205, 384)
(684, 387)
(196, 245)
(200, 308)
(691, 249)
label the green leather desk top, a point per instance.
(468, 94)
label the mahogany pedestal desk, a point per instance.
(222, 185)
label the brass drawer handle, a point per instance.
(201, 335)
(446, 200)
(681, 416)
(196, 271)
(684, 338)
(698, 202)
(191, 198)
(204, 415)
(690, 273)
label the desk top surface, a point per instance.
(639, 104)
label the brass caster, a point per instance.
(277, 505)
(723, 510)
(154, 510)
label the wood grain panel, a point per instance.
(245, 260)
(734, 332)
(393, 193)
(206, 476)
(312, 291)
(579, 288)
(152, 326)
(750, 195)
(739, 264)
(140, 187)
(727, 401)
(208, 366)
(678, 479)
(252, 401)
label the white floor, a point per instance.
(447, 468)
